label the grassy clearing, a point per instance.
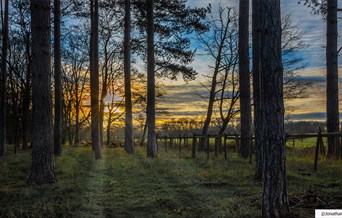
(171, 185)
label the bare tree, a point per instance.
(219, 47)
(42, 136)
(274, 199)
(245, 93)
(94, 78)
(21, 37)
(76, 79)
(3, 76)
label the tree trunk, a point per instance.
(65, 123)
(3, 81)
(129, 137)
(94, 78)
(77, 122)
(151, 110)
(70, 130)
(143, 136)
(58, 79)
(257, 90)
(274, 200)
(102, 108)
(42, 170)
(245, 92)
(332, 76)
(108, 129)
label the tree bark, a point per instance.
(274, 199)
(3, 89)
(256, 41)
(58, 79)
(77, 121)
(245, 92)
(129, 137)
(108, 129)
(94, 78)
(42, 170)
(143, 136)
(332, 77)
(151, 110)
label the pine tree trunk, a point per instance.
(143, 136)
(94, 79)
(274, 199)
(108, 129)
(58, 79)
(102, 108)
(42, 170)
(245, 92)
(257, 89)
(129, 137)
(332, 76)
(151, 110)
(3, 77)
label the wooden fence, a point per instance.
(201, 143)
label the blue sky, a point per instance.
(312, 26)
(178, 101)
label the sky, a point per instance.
(184, 99)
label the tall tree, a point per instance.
(151, 110)
(42, 136)
(58, 78)
(94, 78)
(245, 92)
(256, 48)
(329, 9)
(129, 137)
(274, 198)
(3, 77)
(332, 76)
(174, 21)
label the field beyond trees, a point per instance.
(172, 185)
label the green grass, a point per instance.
(171, 185)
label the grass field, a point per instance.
(171, 185)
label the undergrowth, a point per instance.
(172, 185)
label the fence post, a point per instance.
(225, 146)
(165, 143)
(237, 143)
(318, 144)
(251, 151)
(157, 145)
(180, 144)
(193, 153)
(216, 145)
(184, 141)
(208, 146)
